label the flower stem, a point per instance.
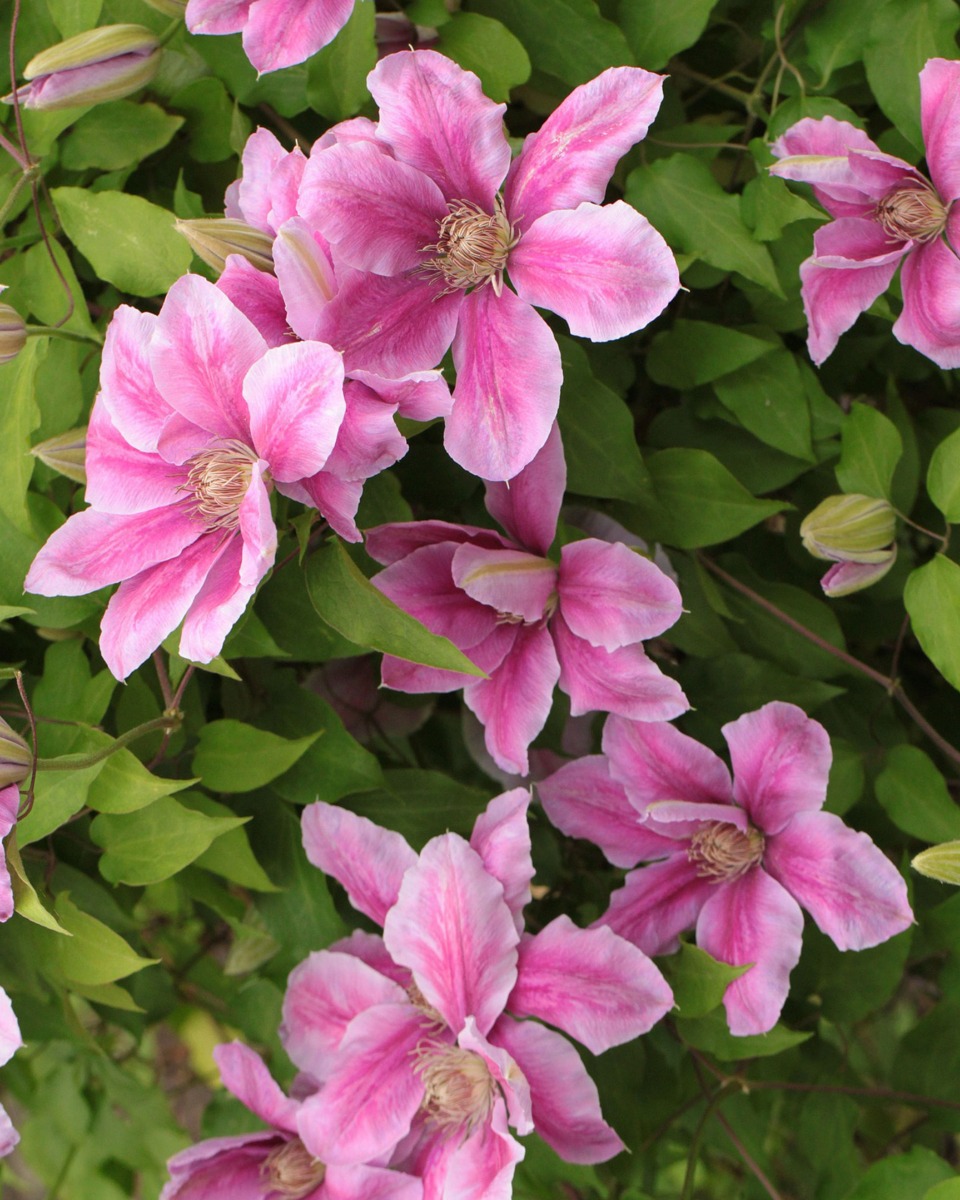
(67, 334)
(77, 762)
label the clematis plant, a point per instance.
(276, 33)
(415, 1038)
(885, 211)
(736, 860)
(10, 1039)
(415, 210)
(196, 421)
(527, 621)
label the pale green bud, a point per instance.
(98, 65)
(854, 529)
(940, 862)
(66, 453)
(16, 757)
(214, 239)
(13, 333)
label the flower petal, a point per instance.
(753, 920)
(122, 478)
(930, 321)
(367, 860)
(218, 606)
(940, 118)
(605, 270)
(367, 1183)
(217, 16)
(224, 1168)
(850, 888)
(508, 581)
(573, 155)
(127, 388)
(508, 385)
(816, 151)
(282, 33)
(479, 1167)
(419, 396)
(658, 762)
(266, 192)
(834, 297)
(501, 836)
(305, 275)
(10, 1039)
(657, 903)
(453, 929)
(244, 1073)
(390, 543)
(257, 295)
(529, 505)
(368, 440)
(781, 762)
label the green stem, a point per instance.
(170, 32)
(67, 334)
(77, 762)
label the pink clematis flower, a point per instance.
(273, 1164)
(413, 212)
(414, 1038)
(526, 621)
(196, 421)
(885, 212)
(10, 1039)
(276, 33)
(738, 860)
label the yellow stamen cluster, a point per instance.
(217, 481)
(291, 1171)
(912, 212)
(472, 247)
(458, 1087)
(722, 852)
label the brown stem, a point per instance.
(285, 127)
(747, 1158)
(27, 803)
(163, 679)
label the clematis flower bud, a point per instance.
(65, 453)
(16, 757)
(844, 578)
(98, 65)
(214, 239)
(939, 862)
(850, 529)
(13, 333)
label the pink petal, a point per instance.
(218, 606)
(572, 157)
(378, 213)
(657, 903)
(10, 1039)
(681, 819)
(817, 151)
(368, 440)
(781, 762)
(368, 861)
(282, 33)
(505, 1072)
(514, 703)
(753, 920)
(488, 654)
(367, 1183)
(122, 478)
(390, 543)
(434, 116)
(244, 1073)
(257, 296)
(590, 983)
(324, 993)
(566, 1106)
(224, 1168)
(605, 270)
(9, 810)
(95, 548)
(584, 801)
(392, 325)
(834, 297)
(658, 762)
(267, 188)
(930, 321)
(621, 681)
(855, 241)
(337, 499)
(508, 581)
(127, 388)
(940, 118)
(613, 596)
(369, 948)
(295, 397)
(9, 1138)
(366, 1106)
(452, 928)
(217, 16)
(501, 836)
(148, 607)
(478, 1167)
(508, 384)
(529, 505)
(305, 275)
(419, 396)
(850, 888)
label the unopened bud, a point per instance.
(940, 862)
(98, 65)
(214, 239)
(850, 529)
(66, 453)
(16, 757)
(845, 578)
(13, 333)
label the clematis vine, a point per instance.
(197, 420)
(424, 242)
(526, 620)
(885, 212)
(10, 1039)
(736, 860)
(276, 33)
(272, 1164)
(417, 1039)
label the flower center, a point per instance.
(291, 1171)
(722, 852)
(472, 247)
(912, 212)
(458, 1087)
(218, 480)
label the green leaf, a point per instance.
(74, 16)
(710, 1033)
(43, 291)
(25, 899)
(940, 862)
(932, 598)
(603, 458)
(685, 203)
(346, 600)
(117, 135)
(697, 501)
(901, 1175)
(110, 994)
(94, 955)
(949, 1189)
(767, 206)
(698, 980)
(233, 757)
(487, 48)
(659, 29)
(834, 37)
(914, 795)
(128, 241)
(943, 477)
(419, 804)
(769, 399)
(903, 34)
(19, 417)
(156, 842)
(209, 110)
(565, 38)
(871, 447)
(337, 76)
(57, 796)
(230, 854)
(124, 785)
(691, 353)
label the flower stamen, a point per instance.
(912, 212)
(217, 480)
(291, 1171)
(458, 1087)
(722, 852)
(472, 247)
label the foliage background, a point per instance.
(175, 862)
